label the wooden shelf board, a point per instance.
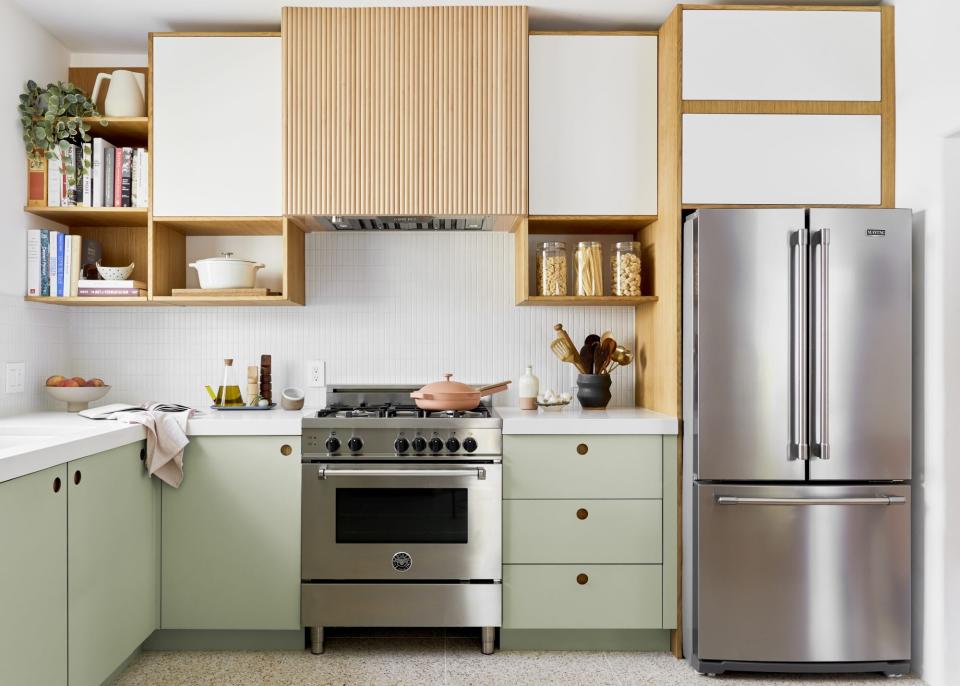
(601, 300)
(588, 224)
(255, 301)
(130, 131)
(223, 226)
(129, 301)
(134, 217)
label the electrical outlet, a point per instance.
(316, 374)
(16, 371)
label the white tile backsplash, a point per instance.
(381, 308)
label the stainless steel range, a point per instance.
(400, 515)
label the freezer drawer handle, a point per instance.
(479, 472)
(879, 500)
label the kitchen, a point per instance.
(396, 292)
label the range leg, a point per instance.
(316, 640)
(488, 635)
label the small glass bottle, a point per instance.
(552, 268)
(588, 262)
(625, 269)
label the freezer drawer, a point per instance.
(802, 573)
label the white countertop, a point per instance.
(274, 422)
(614, 420)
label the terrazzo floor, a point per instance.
(439, 660)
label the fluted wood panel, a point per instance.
(405, 110)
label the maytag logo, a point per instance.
(876, 232)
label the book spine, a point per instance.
(126, 178)
(144, 178)
(60, 248)
(108, 292)
(108, 161)
(67, 263)
(33, 262)
(86, 176)
(135, 178)
(44, 262)
(97, 172)
(121, 283)
(54, 182)
(117, 176)
(70, 177)
(76, 244)
(36, 180)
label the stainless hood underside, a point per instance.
(408, 222)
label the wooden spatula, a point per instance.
(564, 349)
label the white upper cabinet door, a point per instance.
(217, 126)
(781, 55)
(781, 159)
(593, 125)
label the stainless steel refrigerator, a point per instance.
(797, 417)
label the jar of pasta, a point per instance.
(625, 269)
(588, 264)
(552, 268)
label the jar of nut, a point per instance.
(552, 268)
(625, 269)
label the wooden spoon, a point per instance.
(586, 356)
(604, 352)
(621, 357)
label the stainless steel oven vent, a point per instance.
(407, 222)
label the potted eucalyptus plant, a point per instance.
(51, 119)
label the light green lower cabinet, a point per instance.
(583, 596)
(33, 579)
(231, 536)
(597, 531)
(113, 560)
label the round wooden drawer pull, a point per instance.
(56, 485)
(582, 448)
(285, 449)
(582, 513)
(582, 579)
(76, 478)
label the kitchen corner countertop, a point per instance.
(614, 420)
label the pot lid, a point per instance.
(226, 257)
(448, 387)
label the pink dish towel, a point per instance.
(166, 439)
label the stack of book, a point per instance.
(114, 177)
(54, 266)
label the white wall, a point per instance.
(381, 308)
(928, 180)
(29, 332)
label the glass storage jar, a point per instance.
(588, 263)
(625, 269)
(552, 268)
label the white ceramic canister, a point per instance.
(528, 387)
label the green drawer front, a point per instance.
(552, 467)
(613, 597)
(611, 531)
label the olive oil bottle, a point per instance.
(228, 394)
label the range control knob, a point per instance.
(453, 445)
(469, 444)
(355, 444)
(332, 444)
(419, 444)
(401, 445)
(436, 445)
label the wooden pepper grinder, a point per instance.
(253, 387)
(266, 388)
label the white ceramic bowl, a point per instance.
(114, 273)
(77, 397)
(226, 272)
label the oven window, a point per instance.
(401, 515)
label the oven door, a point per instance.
(408, 521)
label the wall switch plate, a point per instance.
(316, 374)
(16, 371)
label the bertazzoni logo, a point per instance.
(876, 232)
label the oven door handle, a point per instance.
(479, 472)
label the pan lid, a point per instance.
(446, 388)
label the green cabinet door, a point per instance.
(231, 536)
(113, 561)
(33, 579)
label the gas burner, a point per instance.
(461, 414)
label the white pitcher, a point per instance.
(125, 97)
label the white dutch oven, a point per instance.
(226, 272)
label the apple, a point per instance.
(79, 379)
(94, 382)
(68, 383)
(55, 380)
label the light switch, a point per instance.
(16, 371)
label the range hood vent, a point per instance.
(407, 222)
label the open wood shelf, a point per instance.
(92, 216)
(128, 301)
(235, 300)
(121, 131)
(585, 300)
(588, 224)
(223, 226)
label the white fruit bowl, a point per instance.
(77, 397)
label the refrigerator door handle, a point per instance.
(823, 335)
(800, 346)
(878, 500)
